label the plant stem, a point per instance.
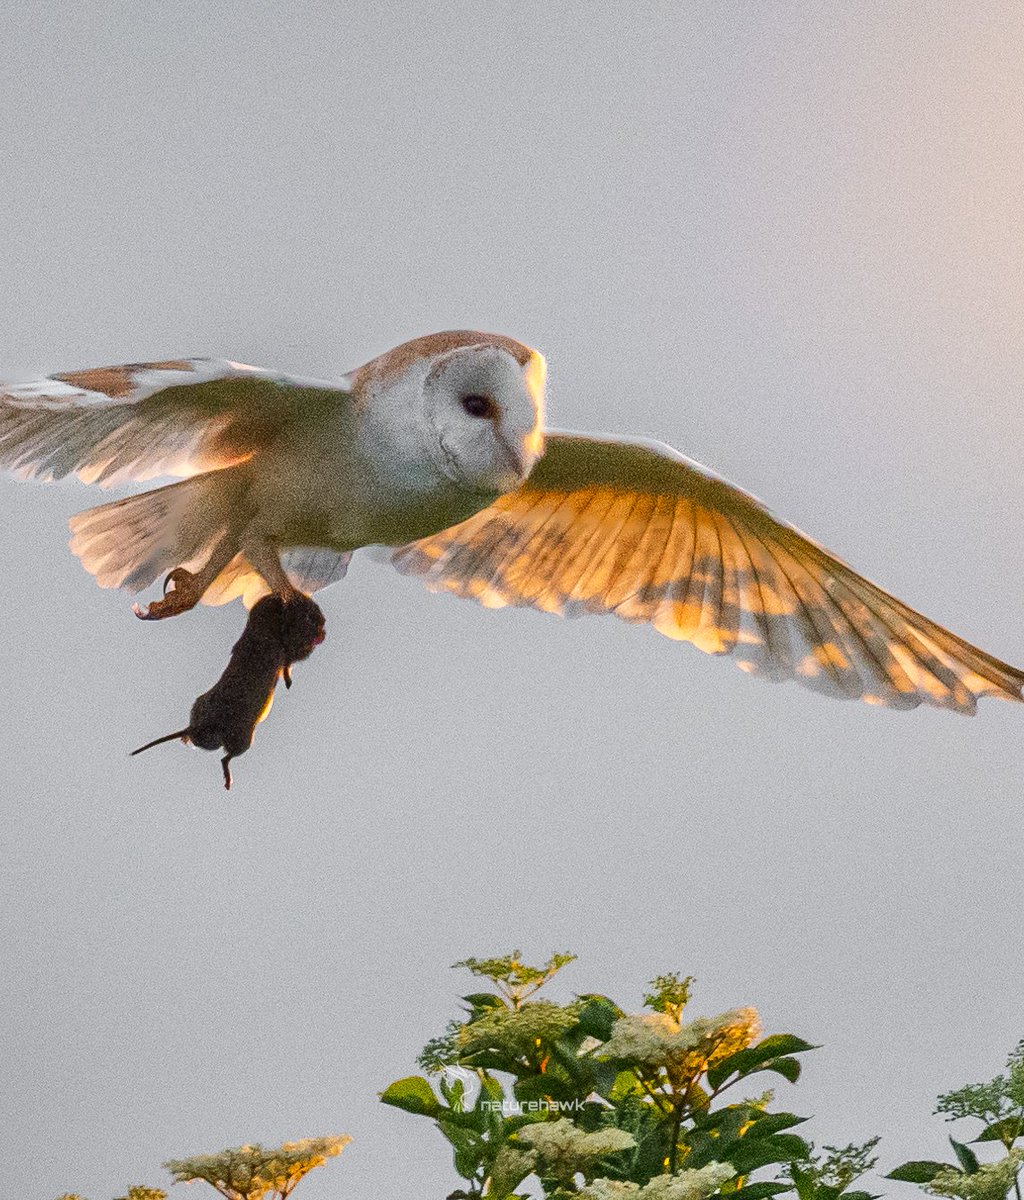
(677, 1124)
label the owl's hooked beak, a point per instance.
(512, 458)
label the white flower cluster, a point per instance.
(659, 1039)
(518, 1031)
(992, 1181)
(564, 1148)
(686, 1185)
(252, 1172)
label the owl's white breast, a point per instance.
(357, 477)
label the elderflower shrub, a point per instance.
(253, 1172)
(134, 1193)
(999, 1106)
(246, 1172)
(582, 1098)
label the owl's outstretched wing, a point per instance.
(115, 424)
(633, 528)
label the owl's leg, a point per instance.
(265, 559)
(184, 589)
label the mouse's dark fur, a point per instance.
(277, 634)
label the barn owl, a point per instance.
(438, 450)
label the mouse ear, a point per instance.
(168, 737)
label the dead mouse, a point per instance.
(277, 634)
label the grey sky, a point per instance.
(785, 237)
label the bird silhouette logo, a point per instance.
(465, 1099)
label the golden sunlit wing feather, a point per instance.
(136, 422)
(635, 529)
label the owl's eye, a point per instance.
(479, 406)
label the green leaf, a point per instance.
(1008, 1130)
(507, 1173)
(475, 1118)
(598, 1016)
(468, 1160)
(457, 1135)
(613, 1083)
(789, 1068)
(412, 1094)
(520, 1120)
(536, 1087)
(749, 1154)
(484, 1000)
(452, 1092)
(735, 1117)
(968, 1159)
(779, 1045)
(921, 1170)
(861, 1196)
(773, 1123)
(470, 1149)
(653, 1147)
(805, 1181)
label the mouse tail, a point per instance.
(181, 734)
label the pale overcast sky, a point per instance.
(787, 238)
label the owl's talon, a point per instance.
(182, 596)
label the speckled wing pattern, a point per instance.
(135, 422)
(633, 528)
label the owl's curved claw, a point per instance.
(182, 596)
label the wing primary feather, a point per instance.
(511, 544)
(900, 691)
(638, 565)
(577, 563)
(606, 559)
(950, 691)
(518, 575)
(711, 636)
(547, 559)
(825, 647)
(674, 616)
(1008, 680)
(728, 622)
(778, 659)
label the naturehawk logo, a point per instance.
(464, 1100)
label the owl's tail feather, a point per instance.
(195, 524)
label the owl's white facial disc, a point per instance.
(485, 412)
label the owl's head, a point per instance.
(484, 404)
(472, 402)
